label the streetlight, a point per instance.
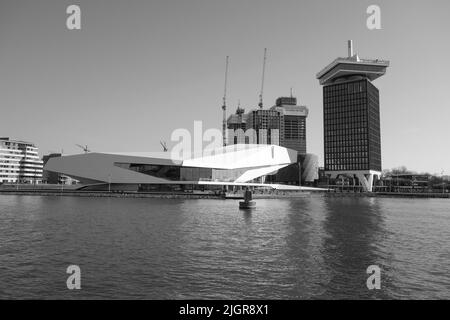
(34, 178)
(299, 175)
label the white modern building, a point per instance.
(19, 162)
(233, 165)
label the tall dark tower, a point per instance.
(351, 115)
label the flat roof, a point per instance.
(16, 141)
(340, 67)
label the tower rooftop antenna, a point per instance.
(350, 48)
(260, 104)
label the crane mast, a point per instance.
(260, 104)
(224, 106)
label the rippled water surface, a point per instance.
(304, 248)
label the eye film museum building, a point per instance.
(234, 165)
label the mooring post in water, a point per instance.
(248, 195)
(247, 203)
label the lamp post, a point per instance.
(299, 174)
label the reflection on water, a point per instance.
(354, 229)
(305, 248)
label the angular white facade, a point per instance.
(230, 164)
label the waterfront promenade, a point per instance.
(273, 194)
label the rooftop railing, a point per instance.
(351, 59)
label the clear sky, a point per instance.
(137, 70)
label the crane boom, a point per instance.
(224, 106)
(85, 148)
(226, 82)
(164, 145)
(262, 80)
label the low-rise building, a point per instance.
(234, 165)
(19, 162)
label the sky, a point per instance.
(138, 70)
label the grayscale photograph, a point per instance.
(224, 155)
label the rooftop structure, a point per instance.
(353, 65)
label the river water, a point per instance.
(315, 247)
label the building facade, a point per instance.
(351, 115)
(50, 177)
(266, 126)
(292, 123)
(233, 165)
(236, 127)
(19, 162)
(284, 124)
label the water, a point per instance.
(305, 248)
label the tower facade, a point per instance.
(351, 118)
(283, 124)
(292, 123)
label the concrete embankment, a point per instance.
(388, 194)
(164, 195)
(231, 196)
(109, 194)
(413, 195)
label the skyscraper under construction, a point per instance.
(283, 124)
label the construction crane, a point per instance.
(224, 105)
(260, 104)
(164, 145)
(239, 110)
(85, 148)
